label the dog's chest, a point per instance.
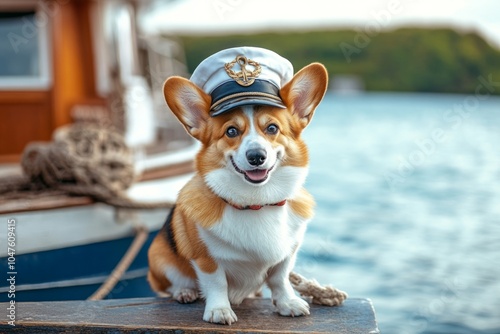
(265, 236)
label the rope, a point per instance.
(321, 295)
(123, 265)
(83, 160)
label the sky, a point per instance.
(226, 16)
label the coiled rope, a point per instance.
(83, 160)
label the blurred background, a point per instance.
(405, 162)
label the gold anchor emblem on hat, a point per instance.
(245, 77)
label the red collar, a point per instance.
(254, 207)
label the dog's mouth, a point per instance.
(253, 175)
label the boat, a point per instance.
(70, 62)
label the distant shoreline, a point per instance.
(433, 60)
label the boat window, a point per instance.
(24, 61)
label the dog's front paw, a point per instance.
(185, 295)
(223, 315)
(293, 307)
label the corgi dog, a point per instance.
(239, 222)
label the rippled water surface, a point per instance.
(408, 208)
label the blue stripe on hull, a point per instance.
(137, 287)
(79, 264)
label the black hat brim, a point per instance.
(231, 95)
(245, 101)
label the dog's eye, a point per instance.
(272, 129)
(232, 132)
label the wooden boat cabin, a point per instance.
(65, 60)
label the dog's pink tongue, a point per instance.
(257, 174)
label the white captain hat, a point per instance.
(243, 76)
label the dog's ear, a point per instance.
(305, 91)
(188, 102)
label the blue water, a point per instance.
(408, 208)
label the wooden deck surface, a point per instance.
(154, 315)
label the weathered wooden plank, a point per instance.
(154, 315)
(44, 203)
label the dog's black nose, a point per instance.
(256, 157)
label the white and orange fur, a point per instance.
(220, 251)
